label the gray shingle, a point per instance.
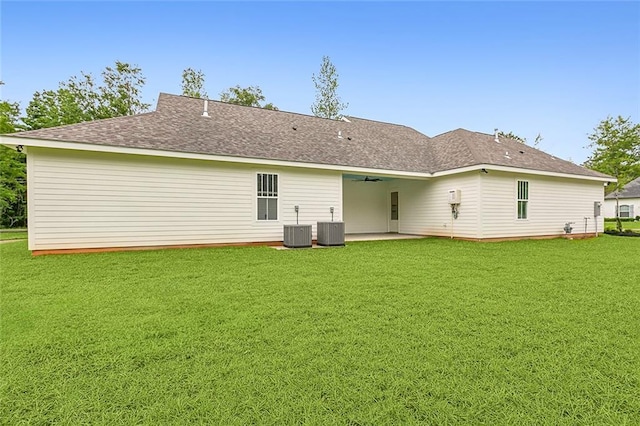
(462, 148)
(630, 190)
(231, 130)
(177, 125)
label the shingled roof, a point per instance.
(631, 190)
(461, 148)
(177, 125)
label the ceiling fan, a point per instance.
(368, 179)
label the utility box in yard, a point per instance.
(330, 233)
(297, 236)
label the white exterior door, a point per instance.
(393, 211)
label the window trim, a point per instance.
(525, 200)
(268, 193)
(628, 212)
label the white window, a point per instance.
(625, 210)
(267, 196)
(523, 199)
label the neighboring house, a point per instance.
(205, 172)
(628, 201)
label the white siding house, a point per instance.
(628, 202)
(552, 202)
(488, 208)
(177, 177)
(90, 200)
(627, 208)
(425, 209)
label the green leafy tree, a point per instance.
(80, 99)
(51, 108)
(122, 91)
(13, 174)
(247, 96)
(328, 104)
(616, 152)
(193, 83)
(9, 116)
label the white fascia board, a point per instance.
(42, 143)
(490, 167)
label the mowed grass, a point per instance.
(10, 235)
(391, 332)
(625, 225)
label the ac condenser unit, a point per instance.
(330, 233)
(297, 236)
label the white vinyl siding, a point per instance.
(84, 200)
(425, 210)
(365, 206)
(552, 202)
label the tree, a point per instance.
(121, 93)
(12, 172)
(328, 103)
(515, 137)
(247, 96)
(616, 152)
(9, 116)
(80, 99)
(193, 83)
(51, 108)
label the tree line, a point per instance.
(615, 141)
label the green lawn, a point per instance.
(392, 332)
(625, 225)
(9, 235)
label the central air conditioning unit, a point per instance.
(330, 233)
(297, 236)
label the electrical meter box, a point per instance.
(597, 205)
(454, 196)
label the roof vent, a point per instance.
(339, 134)
(205, 113)
(506, 155)
(345, 119)
(496, 136)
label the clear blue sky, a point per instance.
(557, 68)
